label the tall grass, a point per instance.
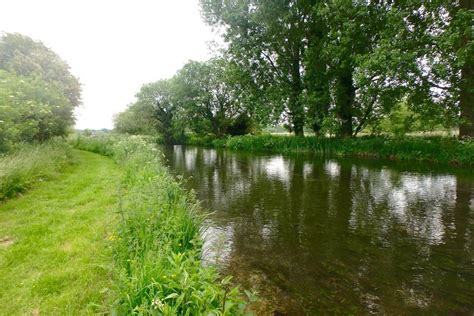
(29, 164)
(157, 245)
(431, 149)
(100, 144)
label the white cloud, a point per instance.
(112, 46)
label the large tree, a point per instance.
(156, 110)
(211, 96)
(268, 38)
(428, 53)
(466, 53)
(351, 62)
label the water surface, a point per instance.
(316, 235)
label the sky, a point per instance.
(113, 46)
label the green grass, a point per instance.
(55, 256)
(158, 246)
(30, 164)
(427, 149)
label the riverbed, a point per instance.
(318, 235)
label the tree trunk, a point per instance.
(346, 96)
(297, 114)
(295, 105)
(318, 90)
(466, 98)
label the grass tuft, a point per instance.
(29, 164)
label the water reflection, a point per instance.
(328, 236)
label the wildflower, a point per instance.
(157, 304)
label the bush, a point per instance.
(30, 164)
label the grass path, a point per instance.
(54, 253)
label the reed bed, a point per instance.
(427, 149)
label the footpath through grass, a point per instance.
(55, 257)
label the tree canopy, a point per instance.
(38, 93)
(334, 66)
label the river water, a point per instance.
(322, 236)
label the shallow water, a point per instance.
(316, 235)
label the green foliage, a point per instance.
(267, 39)
(203, 97)
(349, 63)
(32, 110)
(403, 120)
(209, 96)
(29, 164)
(134, 121)
(430, 149)
(37, 93)
(25, 57)
(157, 247)
(157, 111)
(334, 66)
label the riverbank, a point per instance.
(104, 235)
(423, 149)
(157, 245)
(55, 256)
(317, 235)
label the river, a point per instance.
(321, 236)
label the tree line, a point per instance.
(38, 94)
(334, 66)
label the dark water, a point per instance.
(322, 236)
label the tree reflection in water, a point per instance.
(321, 235)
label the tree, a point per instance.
(135, 120)
(155, 111)
(267, 37)
(351, 62)
(38, 94)
(31, 110)
(210, 96)
(466, 52)
(431, 44)
(25, 57)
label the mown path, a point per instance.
(55, 257)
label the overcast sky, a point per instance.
(112, 46)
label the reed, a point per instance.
(427, 149)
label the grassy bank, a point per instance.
(157, 246)
(55, 255)
(30, 164)
(428, 149)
